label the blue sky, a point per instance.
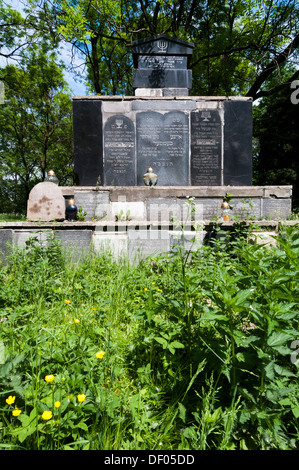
(78, 88)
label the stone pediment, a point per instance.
(162, 44)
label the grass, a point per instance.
(178, 352)
(12, 217)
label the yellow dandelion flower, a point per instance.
(47, 415)
(159, 290)
(145, 289)
(76, 320)
(10, 400)
(81, 397)
(100, 354)
(154, 283)
(67, 302)
(94, 308)
(57, 404)
(49, 378)
(16, 412)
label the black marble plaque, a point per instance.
(206, 138)
(163, 144)
(162, 78)
(119, 152)
(162, 62)
(237, 169)
(87, 138)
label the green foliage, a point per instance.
(238, 45)
(193, 350)
(275, 129)
(35, 125)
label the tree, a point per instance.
(35, 124)
(276, 124)
(239, 45)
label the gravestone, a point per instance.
(46, 203)
(206, 130)
(188, 141)
(119, 152)
(163, 144)
(161, 64)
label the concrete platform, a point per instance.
(122, 239)
(158, 203)
(142, 221)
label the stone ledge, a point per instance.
(183, 98)
(142, 225)
(140, 193)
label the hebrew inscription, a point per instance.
(206, 137)
(163, 144)
(119, 151)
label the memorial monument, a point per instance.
(186, 140)
(189, 146)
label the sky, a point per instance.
(77, 87)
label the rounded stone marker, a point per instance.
(46, 203)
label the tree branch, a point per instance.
(273, 65)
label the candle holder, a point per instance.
(51, 177)
(150, 178)
(71, 211)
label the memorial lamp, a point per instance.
(225, 210)
(150, 178)
(71, 211)
(51, 177)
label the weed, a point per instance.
(191, 350)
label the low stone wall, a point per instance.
(159, 203)
(142, 221)
(122, 239)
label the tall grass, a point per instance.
(186, 351)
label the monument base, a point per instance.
(158, 203)
(136, 222)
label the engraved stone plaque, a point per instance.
(206, 137)
(119, 152)
(163, 144)
(162, 62)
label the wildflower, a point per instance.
(49, 378)
(57, 404)
(76, 320)
(94, 308)
(159, 290)
(100, 354)
(10, 400)
(47, 415)
(81, 397)
(67, 302)
(145, 289)
(16, 412)
(154, 283)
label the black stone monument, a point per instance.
(161, 62)
(188, 141)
